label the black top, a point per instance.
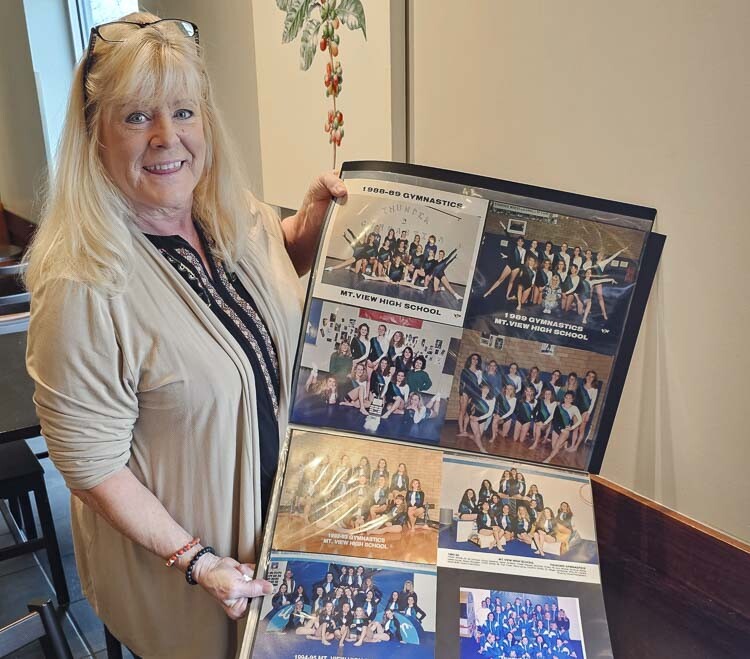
(233, 306)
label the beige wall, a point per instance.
(23, 160)
(642, 102)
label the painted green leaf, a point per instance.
(309, 45)
(282, 4)
(352, 13)
(296, 14)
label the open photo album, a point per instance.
(464, 346)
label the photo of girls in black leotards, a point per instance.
(375, 499)
(344, 609)
(572, 274)
(382, 251)
(519, 402)
(511, 625)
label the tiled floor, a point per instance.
(27, 577)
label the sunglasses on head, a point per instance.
(113, 33)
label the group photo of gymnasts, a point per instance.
(319, 603)
(518, 402)
(516, 511)
(503, 625)
(379, 499)
(412, 252)
(557, 273)
(373, 375)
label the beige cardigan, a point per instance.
(152, 380)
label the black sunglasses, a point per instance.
(110, 33)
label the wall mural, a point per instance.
(311, 19)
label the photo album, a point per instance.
(464, 346)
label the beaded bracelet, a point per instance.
(193, 561)
(175, 557)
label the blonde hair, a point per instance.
(84, 234)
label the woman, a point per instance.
(485, 491)
(396, 395)
(411, 610)
(378, 349)
(505, 406)
(438, 276)
(536, 497)
(589, 284)
(526, 278)
(415, 503)
(281, 598)
(404, 362)
(393, 604)
(545, 410)
(388, 629)
(357, 394)
(416, 411)
(570, 290)
(524, 525)
(367, 257)
(588, 393)
(512, 263)
(506, 522)
(383, 261)
(300, 595)
(544, 531)
(400, 481)
(381, 469)
(525, 413)
(341, 363)
(513, 377)
(503, 487)
(155, 271)
(564, 523)
(396, 346)
(360, 344)
(565, 422)
(379, 378)
(542, 279)
(469, 385)
(487, 525)
(325, 392)
(601, 263)
(467, 507)
(417, 378)
(480, 411)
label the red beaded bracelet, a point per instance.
(174, 557)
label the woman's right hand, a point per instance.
(230, 582)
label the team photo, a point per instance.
(359, 498)
(402, 255)
(511, 625)
(516, 510)
(517, 399)
(550, 277)
(374, 373)
(326, 606)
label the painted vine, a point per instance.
(319, 23)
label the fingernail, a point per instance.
(340, 189)
(267, 588)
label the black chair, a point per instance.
(42, 625)
(22, 475)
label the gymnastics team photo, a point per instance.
(526, 400)
(328, 606)
(515, 510)
(374, 373)
(509, 625)
(359, 498)
(573, 281)
(402, 256)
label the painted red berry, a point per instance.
(323, 44)
(334, 49)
